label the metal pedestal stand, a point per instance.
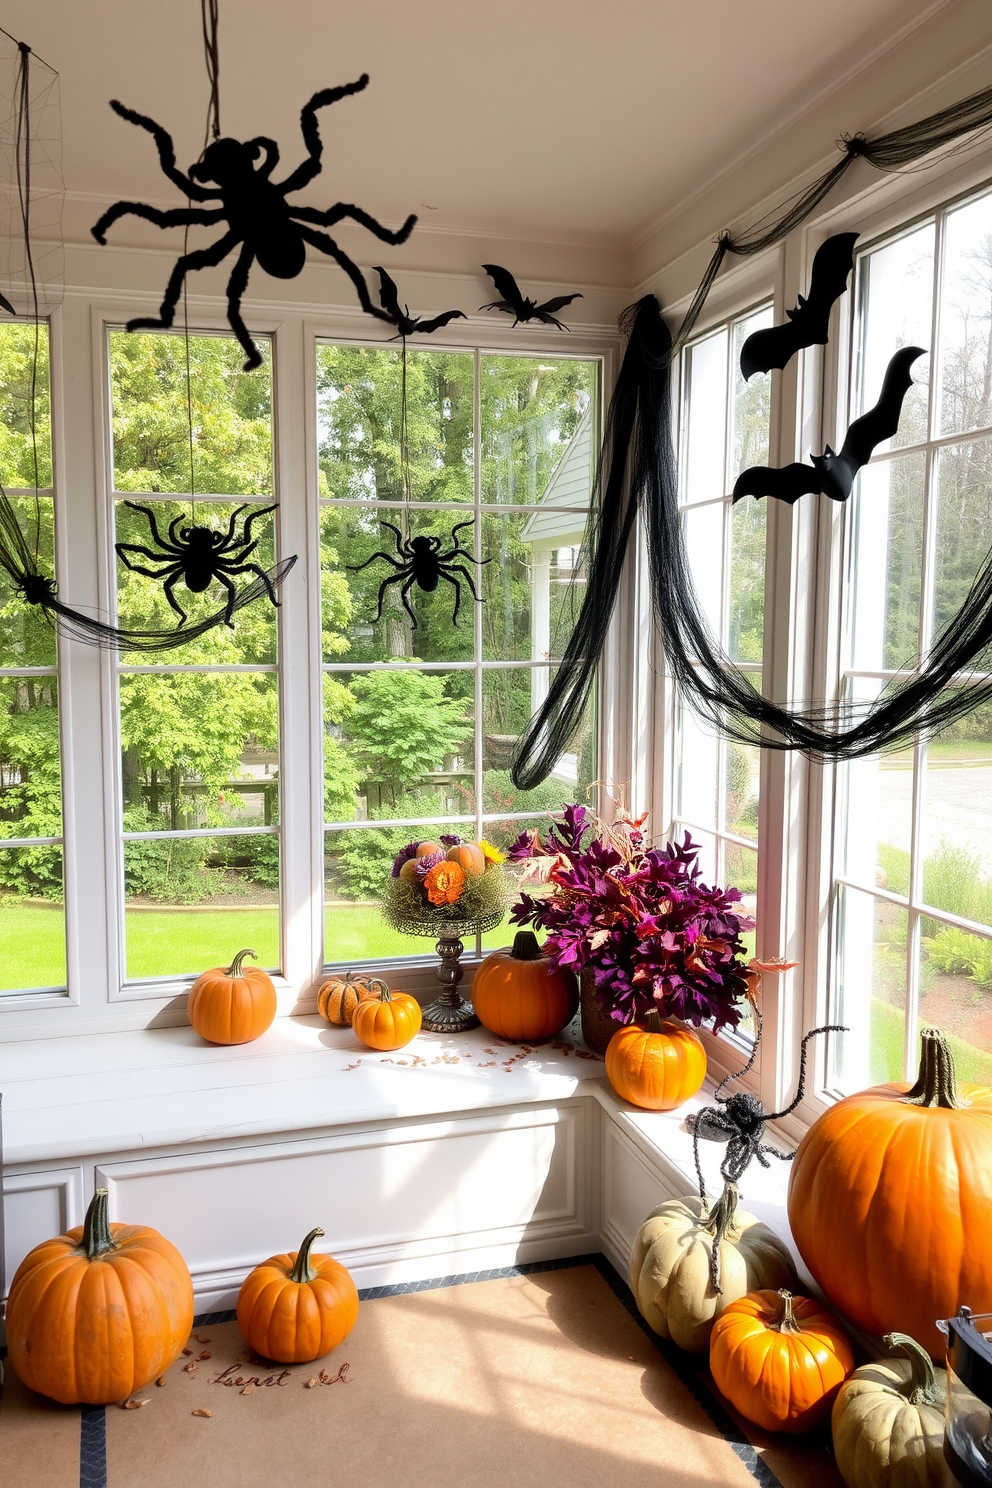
(449, 1012)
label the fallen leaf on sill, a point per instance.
(133, 1404)
(201, 1411)
(200, 1339)
(161, 1382)
(310, 1383)
(248, 1390)
(325, 1378)
(187, 1352)
(190, 1367)
(200, 1357)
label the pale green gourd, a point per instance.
(888, 1422)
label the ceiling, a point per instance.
(547, 119)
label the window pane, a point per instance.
(509, 697)
(964, 510)
(742, 772)
(869, 990)
(30, 778)
(966, 319)
(533, 584)
(359, 418)
(199, 750)
(752, 405)
(957, 819)
(232, 415)
(538, 431)
(887, 513)
(877, 813)
(24, 386)
(26, 637)
(698, 776)
(32, 919)
(704, 434)
(192, 902)
(142, 602)
(704, 536)
(747, 580)
(896, 283)
(957, 996)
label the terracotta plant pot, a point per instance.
(597, 1027)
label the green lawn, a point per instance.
(32, 945)
(971, 1064)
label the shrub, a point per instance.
(171, 869)
(364, 856)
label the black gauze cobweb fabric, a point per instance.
(637, 472)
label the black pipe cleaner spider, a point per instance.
(424, 564)
(256, 212)
(198, 556)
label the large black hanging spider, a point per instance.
(198, 556)
(424, 564)
(256, 212)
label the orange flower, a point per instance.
(445, 884)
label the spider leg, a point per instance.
(458, 592)
(168, 587)
(255, 517)
(392, 579)
(258, 572)
(403, 596)
(458, 527)
(303, 174)
(774, 1152)
(357, 567)
(203, 258)
(232, 595)
(460, 569)
(229, 534)
(268, 148)
(341, 210)
(459, 552)
(166, 565)
(327, 245)
(177, 217)
(157, 539)
(241, 554)
(236, 286)
(166, 152)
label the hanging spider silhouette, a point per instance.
(424, 564)
(256, 212)
(740, 1120)
(199, 555)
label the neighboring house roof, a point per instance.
(570, 486)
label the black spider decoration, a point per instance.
(256, 212)
(740, 1120)
(198, 556)
(405, 323)
(424, 564)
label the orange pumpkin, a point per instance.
(657, 1063)
(779, 1359)
(469, 857)
(232, 1006)
(889, 1194)
(295, 1307)
(429, 849)
(100, 1312)
(388, 1021)
(519, 995)
(339, 997)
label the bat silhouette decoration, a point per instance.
(807, 323)
(405, 323)
(832, 474)
(512, 302)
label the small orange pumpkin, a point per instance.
(429, 849)
(656, 1064)
(469, 857)
(388, 1021)
(339, 997)
(779, 1359)
(98, 1313)
(232, 1006)
(296, 1307)
(519, 995)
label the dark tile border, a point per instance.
(93, 1422)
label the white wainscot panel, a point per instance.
(396, 1203)
(633, 1185)
(37, 1206)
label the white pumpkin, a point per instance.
(888, 1422)
(670, 1265)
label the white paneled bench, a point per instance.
(456, 1154)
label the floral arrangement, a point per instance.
(652, 934)
(445, 879)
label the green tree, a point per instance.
(402, 725)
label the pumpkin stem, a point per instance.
(97, 1239)
(653, 1022)
(921, 1387)
(787, 1322)
(234, 970)
(526, 946)
(385, 995)
(719, 1222)
(303, 1271)
(935, 1085)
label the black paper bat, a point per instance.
(405, 323)
(516, 304)
(833, 475)
(807, 323)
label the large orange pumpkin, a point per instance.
(890, 1197)
(657, 1063)
(779, 1359)
(295, 1307)
(100, 1312)
(339, 997)
(232, 1006)
(388, 1021)
(519, 995)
